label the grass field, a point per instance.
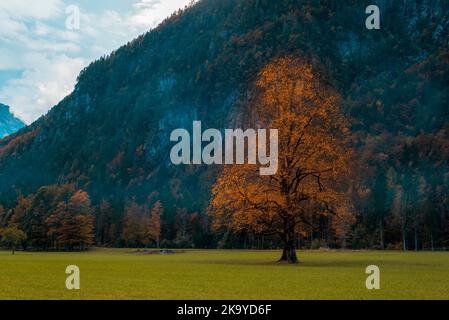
(214, 274)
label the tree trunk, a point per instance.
(289, 254)
(311, 238)
(381, 235)
(13, 250)
(431, 242)
(416, 239)
(289, 240)
(404, 243)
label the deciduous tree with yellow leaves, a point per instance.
(313, 158)
(155, 227)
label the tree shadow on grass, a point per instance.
(304, 264)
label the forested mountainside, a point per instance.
(8, 122)
(110, 137)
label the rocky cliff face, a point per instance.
(111, 135)
(8, 123)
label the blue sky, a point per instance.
(42, 51)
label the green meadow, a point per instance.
(224, 274)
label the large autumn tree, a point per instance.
(312, 160)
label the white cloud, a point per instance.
(149, 12)
(10, 29)
(45, 81)
(32, 9)
(34, 40)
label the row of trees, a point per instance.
(56, 217)
(142, 226)
(403, 209)
(387, 216)
(62, 218)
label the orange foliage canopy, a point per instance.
(313, 159)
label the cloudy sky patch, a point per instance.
(40, 58)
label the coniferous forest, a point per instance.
(96, 169)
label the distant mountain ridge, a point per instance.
(8, 122)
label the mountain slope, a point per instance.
(8, 123)
(111, 135)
